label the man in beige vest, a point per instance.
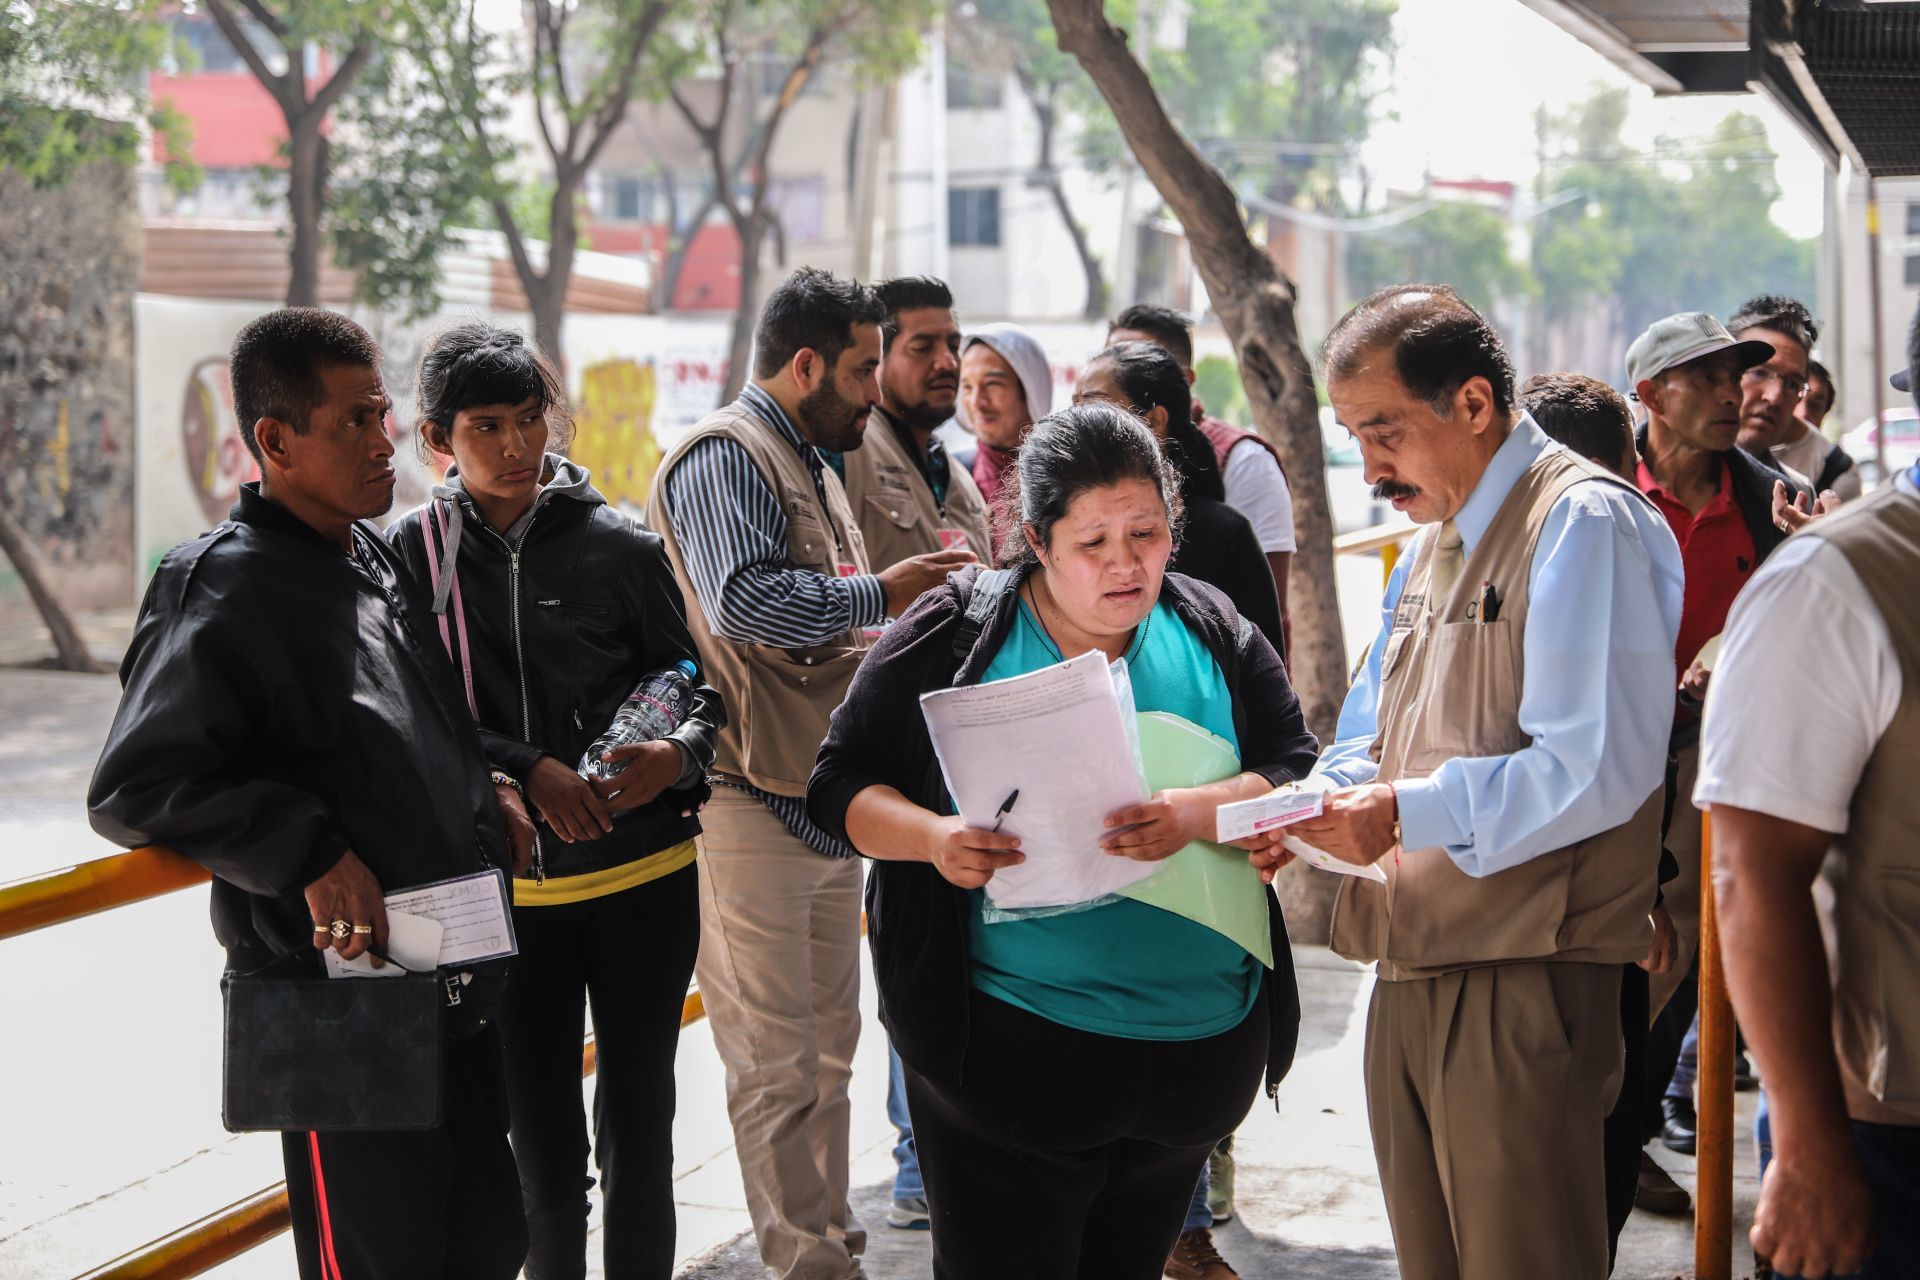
(1501, 759)
(907, 495)
(909, 499)
(779, 590)
(1817, 878)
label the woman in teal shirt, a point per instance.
(1067, 1074)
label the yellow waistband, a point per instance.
(598, 884)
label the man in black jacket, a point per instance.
(290, 722)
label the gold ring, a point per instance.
(363, 928)
(341, 930)
(320, 928)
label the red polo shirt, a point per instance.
(1717, 552)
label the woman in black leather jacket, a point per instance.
(554, 606)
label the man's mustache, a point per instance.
(1388, 490)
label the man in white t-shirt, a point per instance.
(1817, 878)
(1256, 482)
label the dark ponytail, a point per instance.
(1087, 446)
(479, 364)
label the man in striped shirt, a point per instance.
(779, 593)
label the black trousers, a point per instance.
(436, 1205)
(1066, 1154)
(1663, 1043)
(1623, 1137)
(629, 956)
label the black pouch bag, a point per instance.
(306, 1052)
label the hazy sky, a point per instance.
(1469, 73)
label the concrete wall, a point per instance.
(69, 264)
(638, 384)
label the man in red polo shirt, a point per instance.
(1686, 372)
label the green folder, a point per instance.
(1212, 884)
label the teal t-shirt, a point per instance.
(1124, 969)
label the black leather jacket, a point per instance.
(560, 629)
(285, 702)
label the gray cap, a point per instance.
(1677, 340)
(1901, 381)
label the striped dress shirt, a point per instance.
(733, 536)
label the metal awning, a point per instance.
(1846, 71)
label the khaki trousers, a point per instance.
(1682, 893)
(1487, 1090)
(779, 972)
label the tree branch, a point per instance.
(344, 75)
(266, 18)
(614, 109)
(273, 82)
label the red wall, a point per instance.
(710, 278)
(236, 124)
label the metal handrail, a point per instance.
(72, 893)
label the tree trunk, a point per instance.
(70, 650)
(1095, 306)
(680, 240)
(306, 187)
(547, 292)
(753, 236)
(1255, 303)
(1097, 299)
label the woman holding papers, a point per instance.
(1068, 1071)
(555, 606)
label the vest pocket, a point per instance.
(1472, 694)
(897, 509)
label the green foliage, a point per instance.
(73, 89)
(1216, 384)
(1275, 92)
(1683, 228)
(1465, 245)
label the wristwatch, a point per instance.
(1395, 793)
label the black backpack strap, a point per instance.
(988, 586)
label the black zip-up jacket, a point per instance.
(560, 629)
(916, 918)
(285, 702)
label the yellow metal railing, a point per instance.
(79, 891)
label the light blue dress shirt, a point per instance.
(1597, 685)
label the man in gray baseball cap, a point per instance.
(1686, 372)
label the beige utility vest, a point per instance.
(1450, 686)
(894, 505)
(778, 700)
(1868, 894)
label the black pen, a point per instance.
(1006, 807)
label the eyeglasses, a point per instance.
(1792, 384)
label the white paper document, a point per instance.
(1063, 737)
(471, 911)
(413, 942)
(1280, 807)
(1320, 858)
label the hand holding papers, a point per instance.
(450, 922)
(1061, 737)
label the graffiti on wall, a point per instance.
(613, 429)
(216, 459)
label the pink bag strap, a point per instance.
(464, 654)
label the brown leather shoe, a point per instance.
(1657, 1192)
(1195, 1258)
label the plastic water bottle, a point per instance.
(653, 710)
